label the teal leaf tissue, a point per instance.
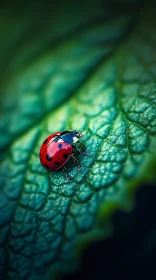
(69, 66)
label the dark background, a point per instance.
(131, 252)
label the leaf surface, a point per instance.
(98, 75)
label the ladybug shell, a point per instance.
(53, 155)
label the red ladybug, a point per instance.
(58, 148)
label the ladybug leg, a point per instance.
(77, 149)
(66, 173)
(82, 144)
(76, 162)
(80, 151)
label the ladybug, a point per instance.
(56, 150)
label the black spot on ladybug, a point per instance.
(47, 166)
(45, 141)
(59, 146)
(56, 163)
(48, 157)
(65, 155)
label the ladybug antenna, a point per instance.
(82, 135)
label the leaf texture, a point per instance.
(99, 77)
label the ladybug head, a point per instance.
(77, 134)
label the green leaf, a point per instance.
(94, 70)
